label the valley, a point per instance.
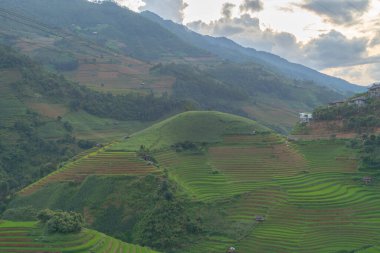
(121, 131)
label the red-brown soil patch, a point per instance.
(49, 110)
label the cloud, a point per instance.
(374, 72)
(227, 10)
(365, 74)
(375, 40)
(251, 5)
(329, 50)
(246, 31)
(168, 9)
(342, 12)
(334, 49)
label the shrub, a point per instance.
(45, 215)
(20, 214)
(61, 222)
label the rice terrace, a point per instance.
(288, 196)
(189, 126)
(28, 237)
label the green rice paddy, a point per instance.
(29, 237)
(309, 194)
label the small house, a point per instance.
(358, 101)
(260, 218)
(374, 91)
(305, 117)
(367, 180)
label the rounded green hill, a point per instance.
(195, 126)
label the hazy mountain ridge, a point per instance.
(228, 49)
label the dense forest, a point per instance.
(369, 147)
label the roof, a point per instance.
(337, 102)
(361, 98)
(375, 86)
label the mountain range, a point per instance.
(112, 49)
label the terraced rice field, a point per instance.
(309, 193)
(11, 107)
(101, 163)
(27, 237)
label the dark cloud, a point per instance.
(252, 5)
(168, 9)
(227, 10)
(342, 12)
(333, 49)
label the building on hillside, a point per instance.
(374, 91)
(358, 101)
(336, 103)
(306, 117)
(260, 218)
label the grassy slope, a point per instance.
(207, 127)
(310, 193)
(29, 237)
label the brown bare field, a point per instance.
(329, 129)
(48, 110)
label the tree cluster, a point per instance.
(61, 222)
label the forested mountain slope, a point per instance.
(129, 54)
(45, 119)
(105, 24)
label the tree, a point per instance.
(61, 222)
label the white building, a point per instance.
(359, 101)
(305, 117)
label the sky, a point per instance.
(336, 37)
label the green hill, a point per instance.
(208, 127)
(205, 181)
(29, 237)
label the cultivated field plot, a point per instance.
(11, 107)
(120, 78)
(101, 163)
(310, 196)
(28, 237)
